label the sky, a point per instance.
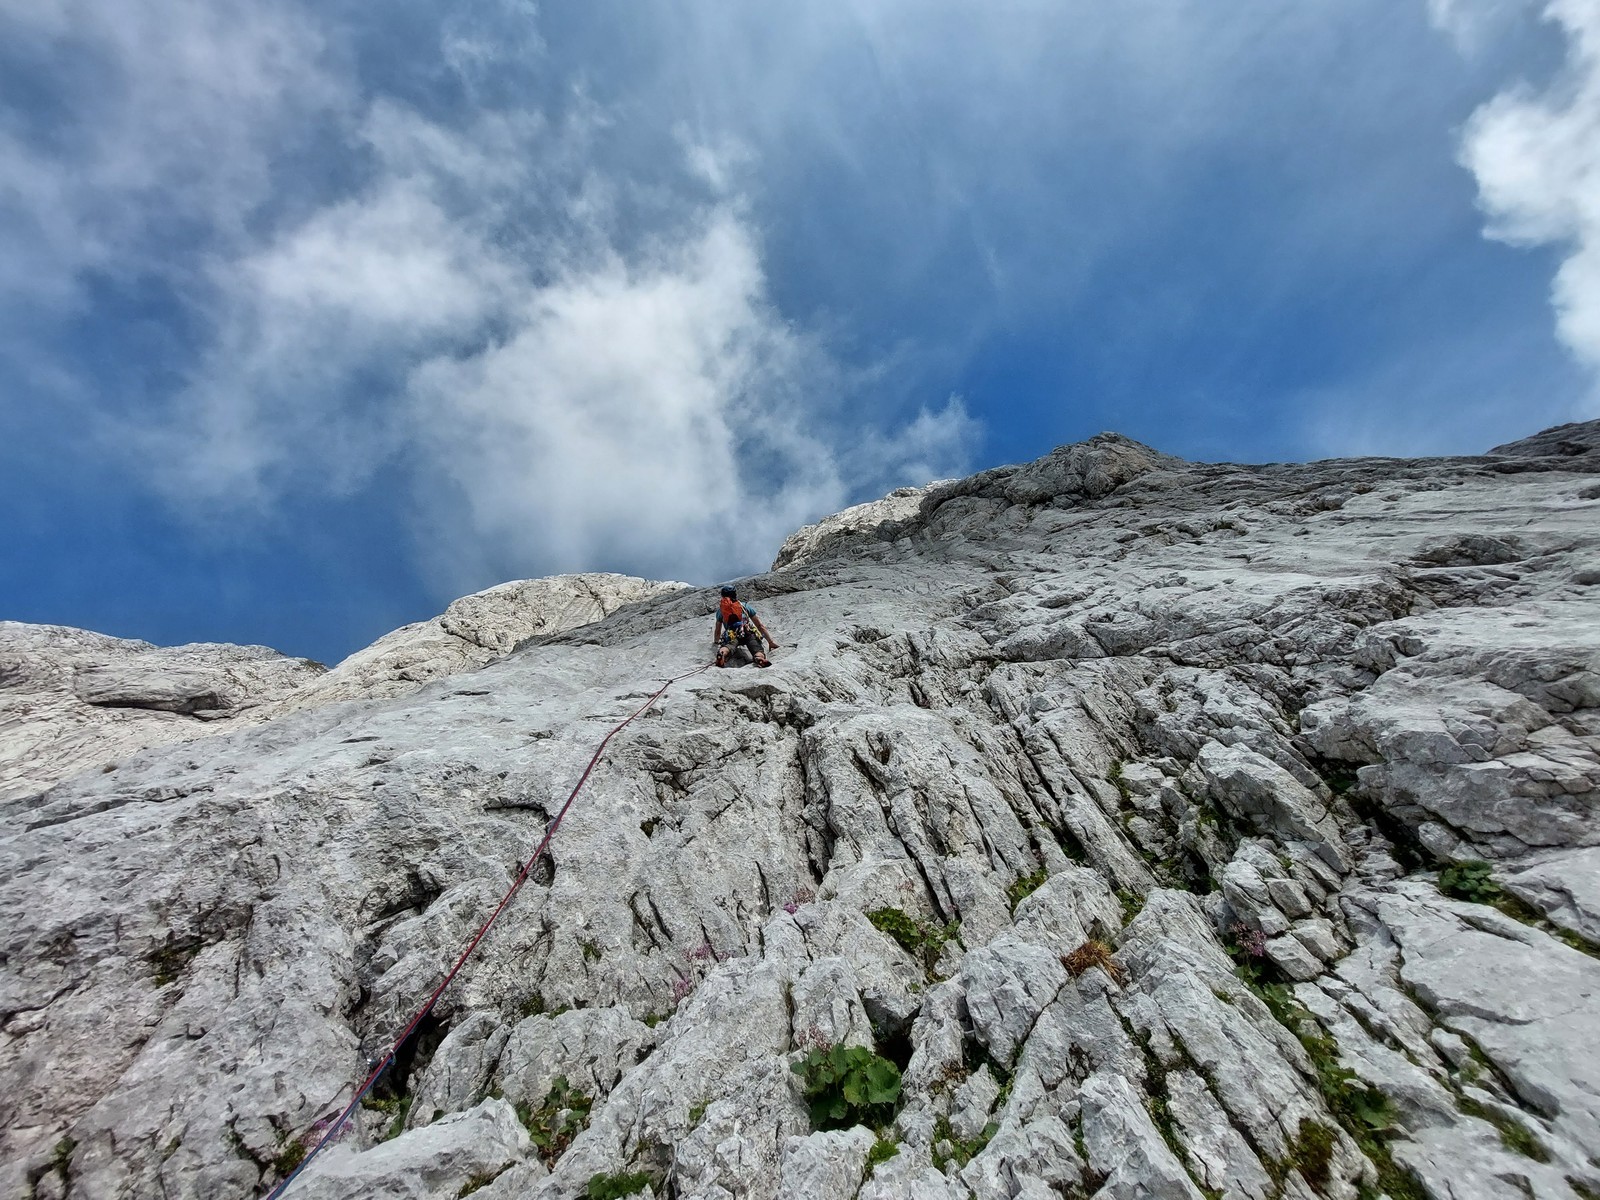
(317, 315)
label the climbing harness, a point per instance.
(388, 1057)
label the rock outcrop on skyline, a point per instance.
(71, 700)
(1176, 829)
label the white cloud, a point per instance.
(1536, 156)
(176, 110)
(652, 413)
(566, 400)
(1472, 24)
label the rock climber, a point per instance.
(734, 629)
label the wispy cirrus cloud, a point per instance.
(152, 123)
(574, 362)
(562, 394)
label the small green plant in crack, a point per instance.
(1158, 1102)
(558, 1119)
(172, 957)
(882, 1151)
(698, 1112)
(1514, 1135)
(1115, 778)
(1071, 846)
(397, 1108)
(1470, 880)
(616, 1184)
(1132, 904)
(848, 1085)
(924, 941)
(948, 1149)
(61, 1158)
(1024, 887)
(476, 1183)
(291, 1156)
(1341, 781)
(1311, 1152)
(1578, 942)
(537, 1006)
(591, 950)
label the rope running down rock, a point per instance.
(394, 1046)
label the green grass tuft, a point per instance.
(559, 1118)
(1514, 1135)
(925, 942)
(615, 1185)
(1025, 886)
(882, 1151)
(960, 1151)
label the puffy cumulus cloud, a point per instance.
(653, 412)
(278, 400)
(1536, 156)
(565, 398)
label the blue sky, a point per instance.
(316, 316)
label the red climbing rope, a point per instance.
(516, 884)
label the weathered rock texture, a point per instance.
(71, 701)
(1160, 761)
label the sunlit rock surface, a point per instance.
(1157, 763)
(71, 700)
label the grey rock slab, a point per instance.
(458, 1074)
(737, 1148)
(1182, 988)
(591, 1048)
(972, 1103)
(72, 701)
(1451, 1151)
(1008, 983)
(1125, 1146)
(827, 1005)
(824, 1166)
(1258, 790)
(1471, 968)
(1218, 1155)
(1562, 884)
(433, 1163)
(877, 519)
(1037, 1157)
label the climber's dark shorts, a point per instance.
(751, 642)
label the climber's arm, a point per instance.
(762, 629)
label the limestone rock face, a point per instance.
(1108, 796)
(72, 701)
